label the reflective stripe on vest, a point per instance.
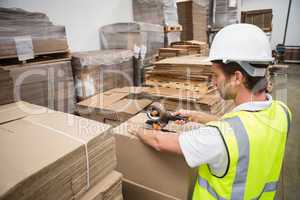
(203, 183)
(241, 136)
(287, 116)
(269, 187)
(243, 161)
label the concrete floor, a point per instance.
(291, 95)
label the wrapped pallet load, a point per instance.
(144, 38)
(162, 12)
(98, 71)
(225, 12)
(34, 61)
(21, 29)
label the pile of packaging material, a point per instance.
(225, 13)
(32, 33)
(114, 106)
(143, 38)
(193, 17)
(193, 47)
(171, 52)
(183, 48)
(162, 12)
(180, 71)
(120, 104)
(50, 84)
(34, 61)
(98, 71)
(188, 78)
(175, 99)
(47, 154)
(139, 162)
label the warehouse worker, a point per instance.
(240, 155)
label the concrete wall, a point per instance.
(82, 19)
(280, 8)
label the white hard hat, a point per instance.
(244, 44)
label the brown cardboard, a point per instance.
(129, 106)
(46, 37)
(102, 100)
(110, 188)
(113, 106)
(155, 170)
(132, 191)
(101, 70)
(49, 84)
(43, 154)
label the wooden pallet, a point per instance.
(177, 28)
(39, 59)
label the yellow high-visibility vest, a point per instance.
(255, 143)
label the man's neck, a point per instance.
(245, 96)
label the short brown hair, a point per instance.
(256, 84)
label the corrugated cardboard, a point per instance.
(110, 188)
(114, 106)
(43, 153)
(50, 85)
(46, 37)
(132, 191)
(134, 36)
(163, 172)
(101, 70)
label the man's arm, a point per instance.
(201, 117)
(161, 141)
(197, 116)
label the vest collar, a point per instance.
(255, 105)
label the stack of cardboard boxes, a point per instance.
(193, 18)
(47, 154)
(114, 106)
(162, 12)
(143, 38)
(183, 48)
(120, 104)
(48, 85)
(98, 71)
(192, 71)
(39, 32)
(34, 61)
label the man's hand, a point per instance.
(160, 141)
(196, 116)
(184, 113)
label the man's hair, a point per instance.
(255, 84)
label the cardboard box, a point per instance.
(194, 18)
(50, 85)
(132, 191)
(110, 188)
(46, 154)
(45, 37)
(99, 71)
(139, 163)
(162, 12)
(134, 36)
(112, 107)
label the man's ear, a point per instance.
(238, 77)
